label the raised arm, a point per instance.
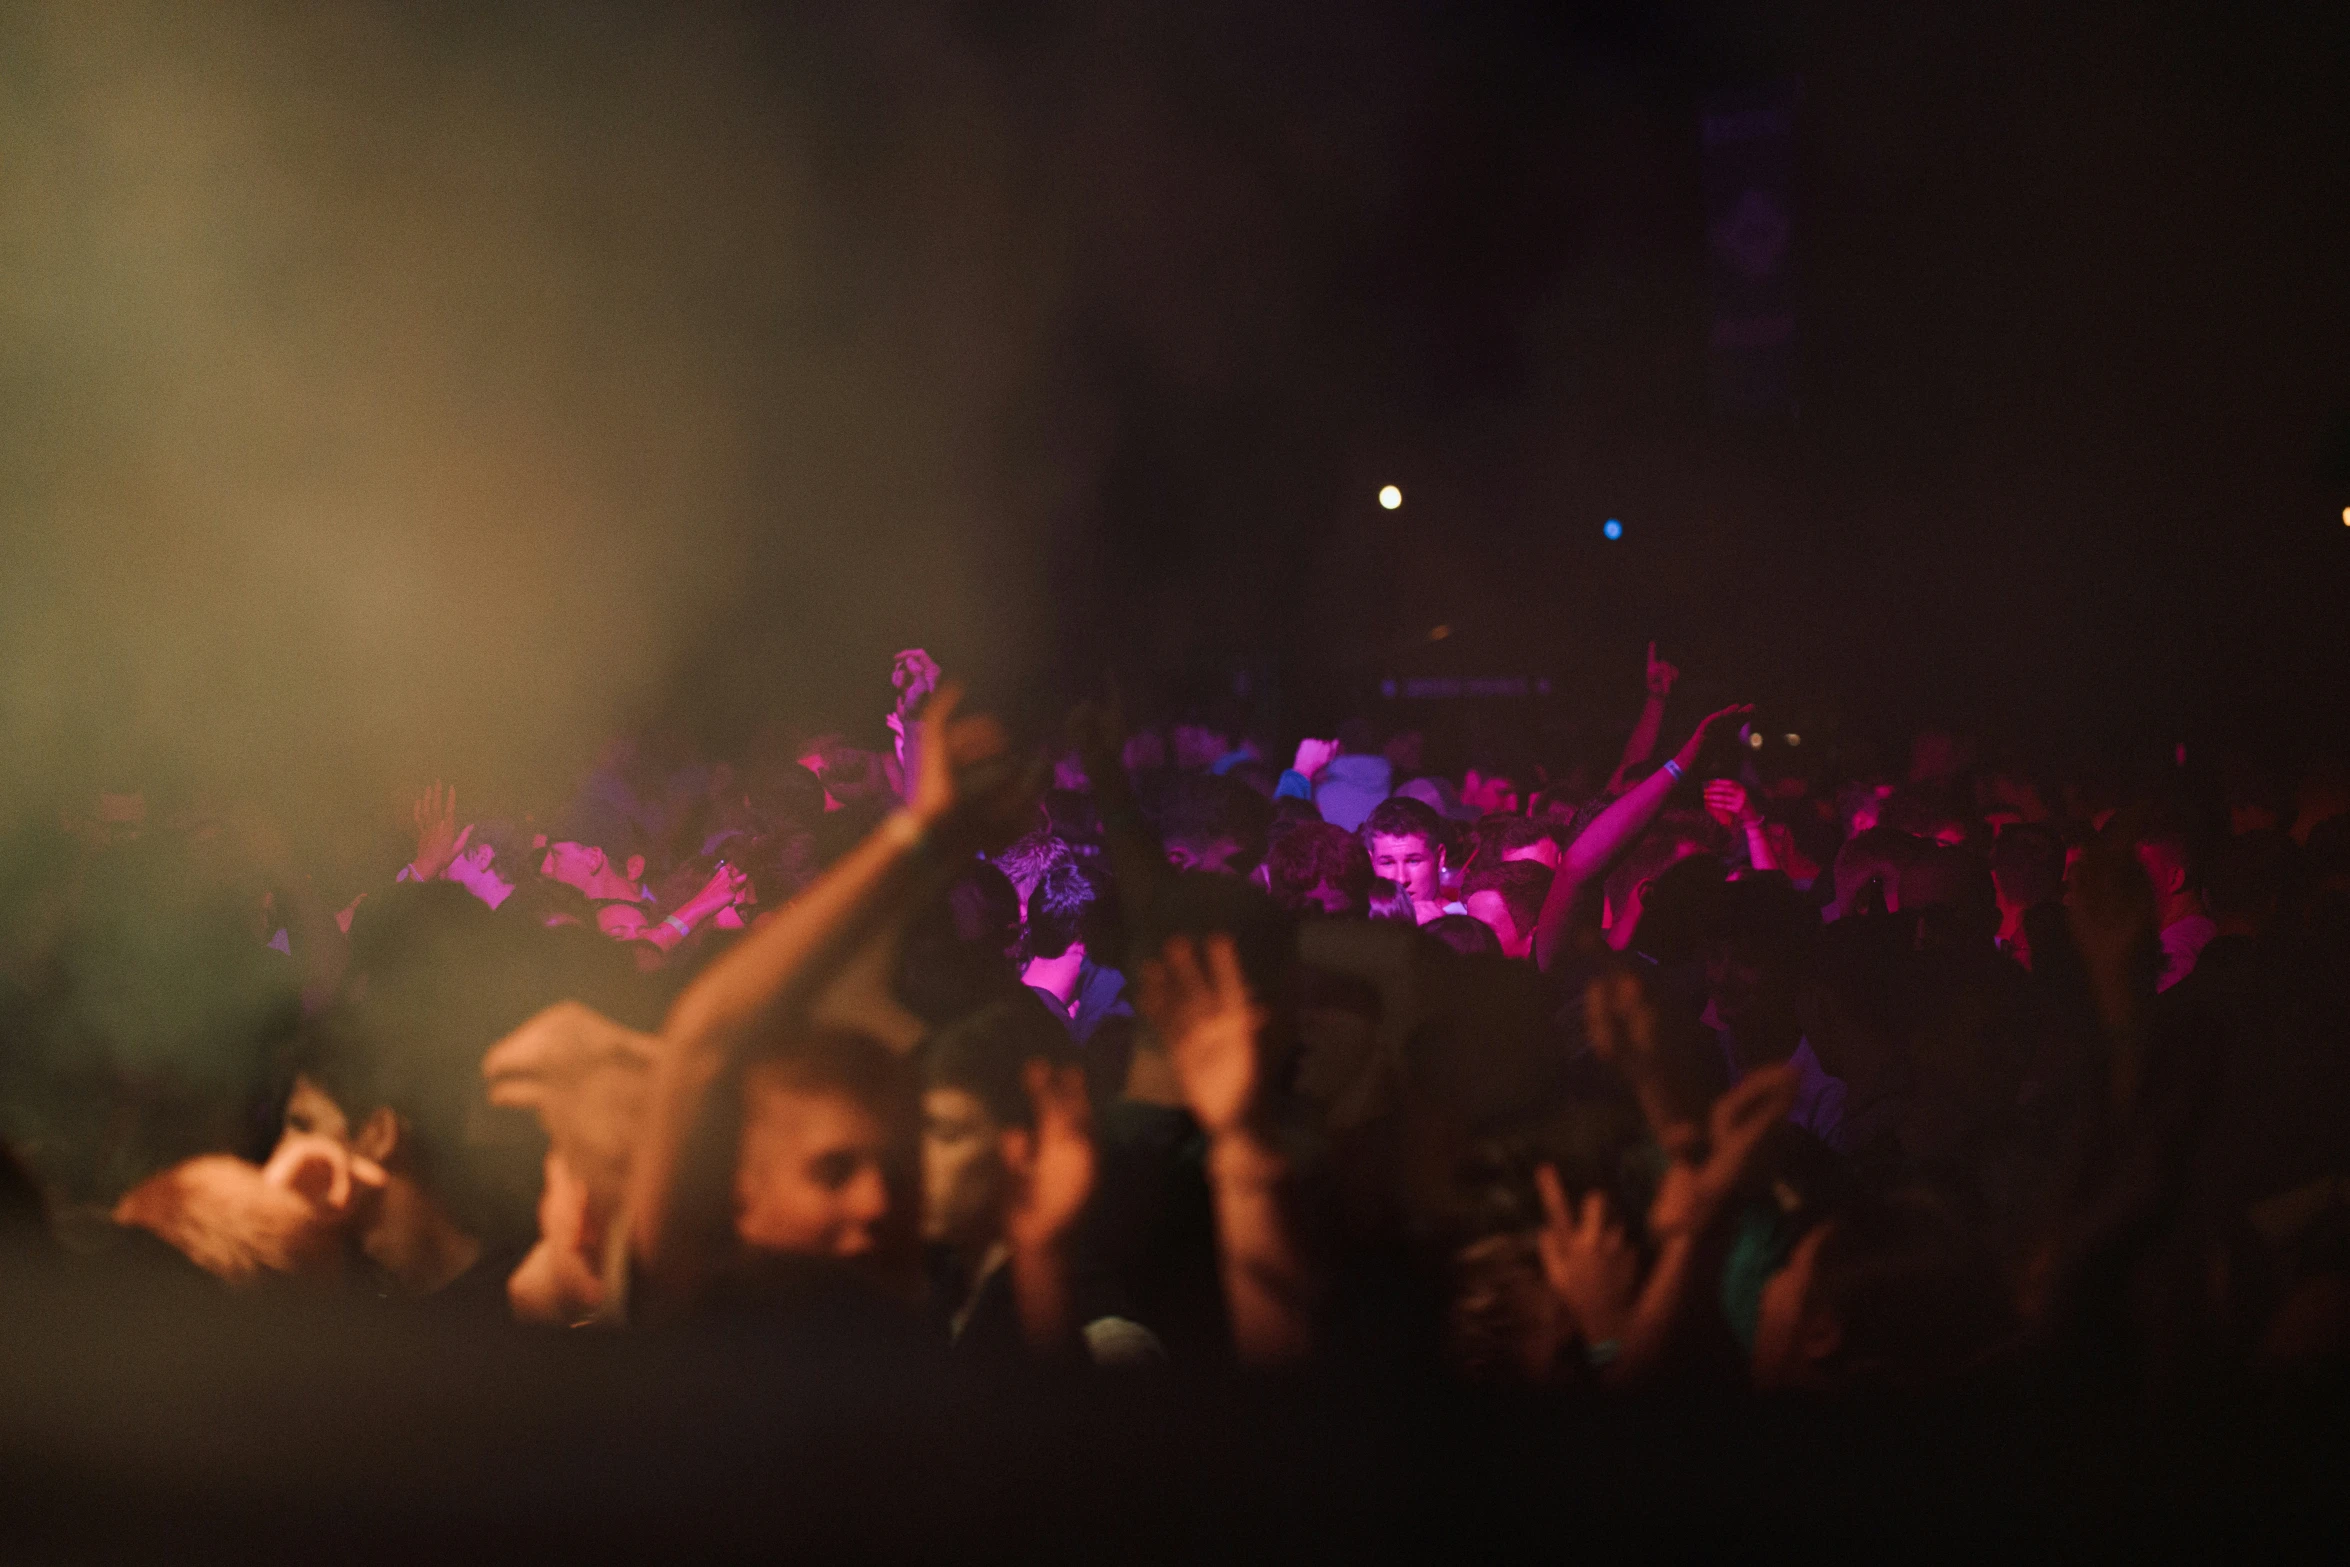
(770, 979)
(1210, 1024)
(1727, 802)
(1641, 744)
(1632, 1332)
(1052, 1171)
(1613, 833)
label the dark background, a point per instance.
(409, 389)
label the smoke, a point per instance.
(391, 390)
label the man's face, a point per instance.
(1494, 910)
(621, 921)
(962, 1169)
(809, 1178)
(575, 864)
(1407, 861)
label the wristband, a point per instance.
(1672, 769)
(1604, 1352)
(678, 925)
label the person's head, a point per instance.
(594, 857)
(1059, 912)
(495, 861)
(1889, 1296)
(393, 1070)
(973, 1092)
(1868, 870)
(1465, 934)
(960, 951)
(1025, 860)
(1508, 897)
(828, 1122)
(2168, 856)
(1391, 904)
(2027, 867)
(1214, 824)
(1628, 885)
(1318, 868)
(1950, 891)
(1406, 844)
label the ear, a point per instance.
(636, 867)
(377, 1137)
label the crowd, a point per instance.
(1144, 1050)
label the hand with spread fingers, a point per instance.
(438, 839)
(1208, 1022)
(1052, 1166)
(1587, 1258)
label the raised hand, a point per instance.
(1587, 1259)
(915, 674)
(589, 1082)
(1623, 1030)
(558, 1282)
(1661, 676)
(967, 783)
(1726, 802)
(1706, 729)
(438, 840)
(1209, 1024)
(1312, 757)
(1051, 1168)
(1692, 1192)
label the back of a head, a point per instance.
(2027, 865)
(1763, 918)
(986, 1054)
(1318, 855)
(1521, 884)
(1059, 909)
(1684, 901)
(1464, 934)
(957, 952)
(1947, 877)
(1869, 868)
(1200, 810)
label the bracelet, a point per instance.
(678, 925)
(1672, 769)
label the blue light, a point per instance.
(1612, 528)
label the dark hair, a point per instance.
(1401, 816)
(1465, 934)
(840, 1061)
(2027, 864)
(445, 979)
(1057, 909)
(1389, 902)
(1313, 853)
(1868, 869)
(985, 1054)
(1203, 807)
(1523, 884)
